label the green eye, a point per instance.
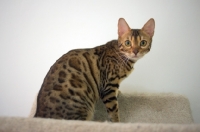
(128, 43)
(143, 43)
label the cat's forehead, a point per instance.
(135, 33)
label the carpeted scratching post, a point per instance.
(147, 108)
(139, 112)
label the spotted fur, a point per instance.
(80, 77)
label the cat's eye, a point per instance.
(143, 43)
(128, 43)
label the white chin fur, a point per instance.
(134, 59)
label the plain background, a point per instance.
(35, 33)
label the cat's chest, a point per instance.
(114, 71)
(116, 66)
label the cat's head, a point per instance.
(135, 43)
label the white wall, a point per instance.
(33, 34)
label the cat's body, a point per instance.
(81, 77)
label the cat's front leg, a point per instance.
(112, 110)
(111, 103)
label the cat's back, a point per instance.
(71, 83)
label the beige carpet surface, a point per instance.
(147, 108)
(139, 112)
(8, 124)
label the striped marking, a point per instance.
(135, 34)
(113, 108)
(110, 100)
(107, 92)
(112, 85)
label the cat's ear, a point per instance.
(149, 27)
(122, 27)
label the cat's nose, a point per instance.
(135, 51)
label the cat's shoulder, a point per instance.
(109, 45)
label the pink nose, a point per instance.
(135, 51)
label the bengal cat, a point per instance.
(82, 76)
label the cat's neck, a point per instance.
(113, 46)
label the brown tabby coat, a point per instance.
(83, 76)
